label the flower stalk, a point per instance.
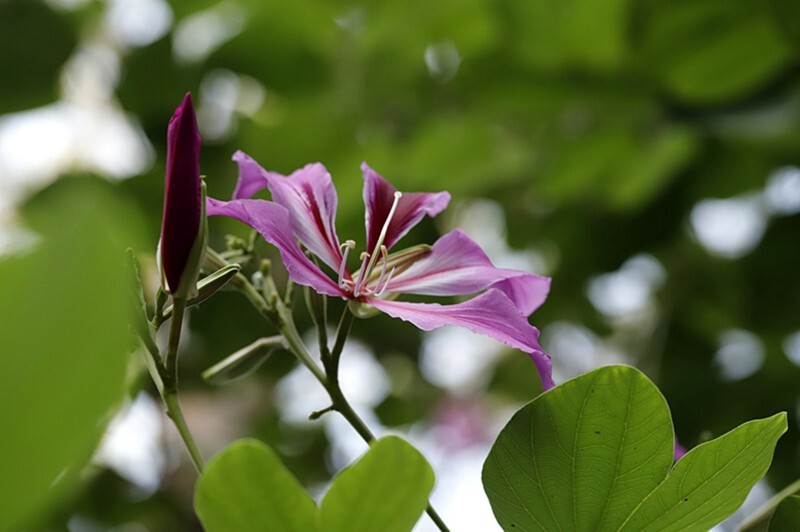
(184, 236)
(280, 315)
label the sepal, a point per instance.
(244, 361)
(187, 288)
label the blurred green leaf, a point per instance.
(581, 456)
(64, 339)
(571, 33)
(786, 14)
(32, 49)
(387, 490)
(712, 480)
(787, 516)
(246, 487)
(760, 519)
(711, 51)
(618, 166)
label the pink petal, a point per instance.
(491, 313)
(310, 198)
(252, 177)
(528, 291)
(272, 222)
(413, 206)
(679, 452)
(457, 265)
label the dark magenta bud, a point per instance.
(182, 230)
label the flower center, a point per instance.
(359, 285)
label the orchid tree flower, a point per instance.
(303, 208)
(183, 230)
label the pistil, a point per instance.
(382, 236)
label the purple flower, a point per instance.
(183, 204)
(303, 208)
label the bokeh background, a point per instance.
(643, 153)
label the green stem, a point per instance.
(760, 518)
(297, 347)
(437, 520)
(169, 378)
(340, 403)
(175, 413)
(175, 326)
(342, 331)
(280, 315)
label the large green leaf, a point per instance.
(63, 352)
(247, 488)
(581, 456)
(593, 454)
(787, 516)
(386, 490)
(712, 480)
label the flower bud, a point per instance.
(183, 231)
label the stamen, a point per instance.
(385, 254)
(382, 289)
(361, 274)
(384, 230)
(346, 247)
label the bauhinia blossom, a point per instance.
(183, 231)
(303, 208)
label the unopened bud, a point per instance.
(183, 229)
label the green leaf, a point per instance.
(581, 456)
(64, 347)
(31, 72)
(246, 487)
(593, 454)
(712, 51)
(553, 33)
(712, 480)
(385, 490)
(787, 516)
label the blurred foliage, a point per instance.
(65, 339)
(596, 124)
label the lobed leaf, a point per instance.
(711, 481)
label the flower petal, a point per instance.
(491, 313)
(272, 222)
(310, 198)
(252, 177)
(457, 265)
(412, 207)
